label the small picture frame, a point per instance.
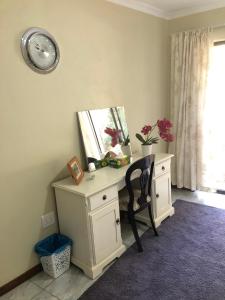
(75, 170)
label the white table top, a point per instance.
(103, 178)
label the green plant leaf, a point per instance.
(140, 138)
(152, 140)
(155, 140)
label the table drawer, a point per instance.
(162, 168)
(102, 197)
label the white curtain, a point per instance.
(189, 69)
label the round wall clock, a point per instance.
(40, 50)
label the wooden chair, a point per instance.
(139, 198)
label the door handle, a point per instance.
(117, 221)
(157, 195)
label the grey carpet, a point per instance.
(186, 261)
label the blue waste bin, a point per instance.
(54, 252)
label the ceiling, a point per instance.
(170, 9)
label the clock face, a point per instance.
(40, 50)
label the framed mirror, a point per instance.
(103, 131)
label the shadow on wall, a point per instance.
(79, 138)
(50, 203)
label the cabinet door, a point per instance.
(106, 233)
(162, 191)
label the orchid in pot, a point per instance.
(148, 138)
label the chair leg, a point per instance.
(152, 221)
(135, 232)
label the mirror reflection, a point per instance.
(104, 133)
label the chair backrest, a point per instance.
(146, 166)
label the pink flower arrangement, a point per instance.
(164, 126)
(115, 135)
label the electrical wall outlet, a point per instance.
(48, 219)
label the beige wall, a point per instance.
(110, 55)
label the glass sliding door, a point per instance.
(214, 122)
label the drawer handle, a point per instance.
(157, 195)
(104, 197)
(163, 168)
(117, 221)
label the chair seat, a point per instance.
(124, 199)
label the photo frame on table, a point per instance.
(75, 170)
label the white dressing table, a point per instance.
(89, 213)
